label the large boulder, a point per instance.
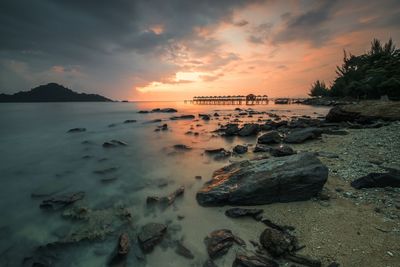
(249, 129)
(338, 114)
(300, 135)
(282, 179)
(271, 137)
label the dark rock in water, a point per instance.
(216, 114)
(108, 180)
(282, 179)
(122, 250)
(182, 147)
(249, 129)
(239, 149)
(209, 263)
(218, 242)
(183, 117)
(76, 130)
(271, 137)
(300, 135)
(222, 155)
(266, 127)
(130, 121)
(282, 151)
(205, 117)
(241, 212)
(282, 228)
(168, 200)
(212, 151)
(143, 111)
(198, 177)
(253, 260)
(114, 143)
(337, 114)
(261, 148)
(150, 235)
(164, 110)
(105, 171)
(377, 180)
(61, 201)
(231, 129)
(154, 121)
(278, 243)
(183, 251)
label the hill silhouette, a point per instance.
(52, 92)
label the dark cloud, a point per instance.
(104, 36)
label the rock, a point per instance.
(150, 235)
(271, 137)
(167, 110)
(182, 147)
(205, 117)
(377, 180)
(183, 251)
(61, 201)
(76, 130)
(130, 121)
(198, 177)
(163, 127)
(183, 117)
(122, 250)
(222, 155)
(219, 242)
(114, 143)
(241, 212)
(105, 171)
(282, 228)
(216, 114)
(239, 149)
(168, 200)
(303, 260)
(249, 129)
(278, 243)
(300, 135)
(108, 180)
(231, 129)
(261, 148)
(338, 114)
(334, 264)
(213, 151)
(282, 151)
(282, 179)
(253, 260)
(143, 111)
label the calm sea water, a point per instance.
(37, 152)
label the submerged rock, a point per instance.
(214, 151)
(239, 149)
(150, 235)
(114, 143)
(168, 200)
(61, 201)
(130, 121)
(121, 252)
(377, 180)
(76, 130)
(164, 110)
(301, 135)
(219, 242)
(241, 212)
(182, 250)
(261, 148)
(182, 147)
(230, 129)
(282, 179)
(183, 117)
(271, 137)
(205, 117)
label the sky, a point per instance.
(176, 49)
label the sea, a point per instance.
(41, 160)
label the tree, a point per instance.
(319, 88)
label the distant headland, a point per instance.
(52, 92)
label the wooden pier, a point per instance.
(230, 100)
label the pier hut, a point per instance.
(250, 99)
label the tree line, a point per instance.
(367, 76)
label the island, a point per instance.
(52, 92)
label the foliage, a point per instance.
(319, 88)
(370, 75)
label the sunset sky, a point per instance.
(174, 50)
